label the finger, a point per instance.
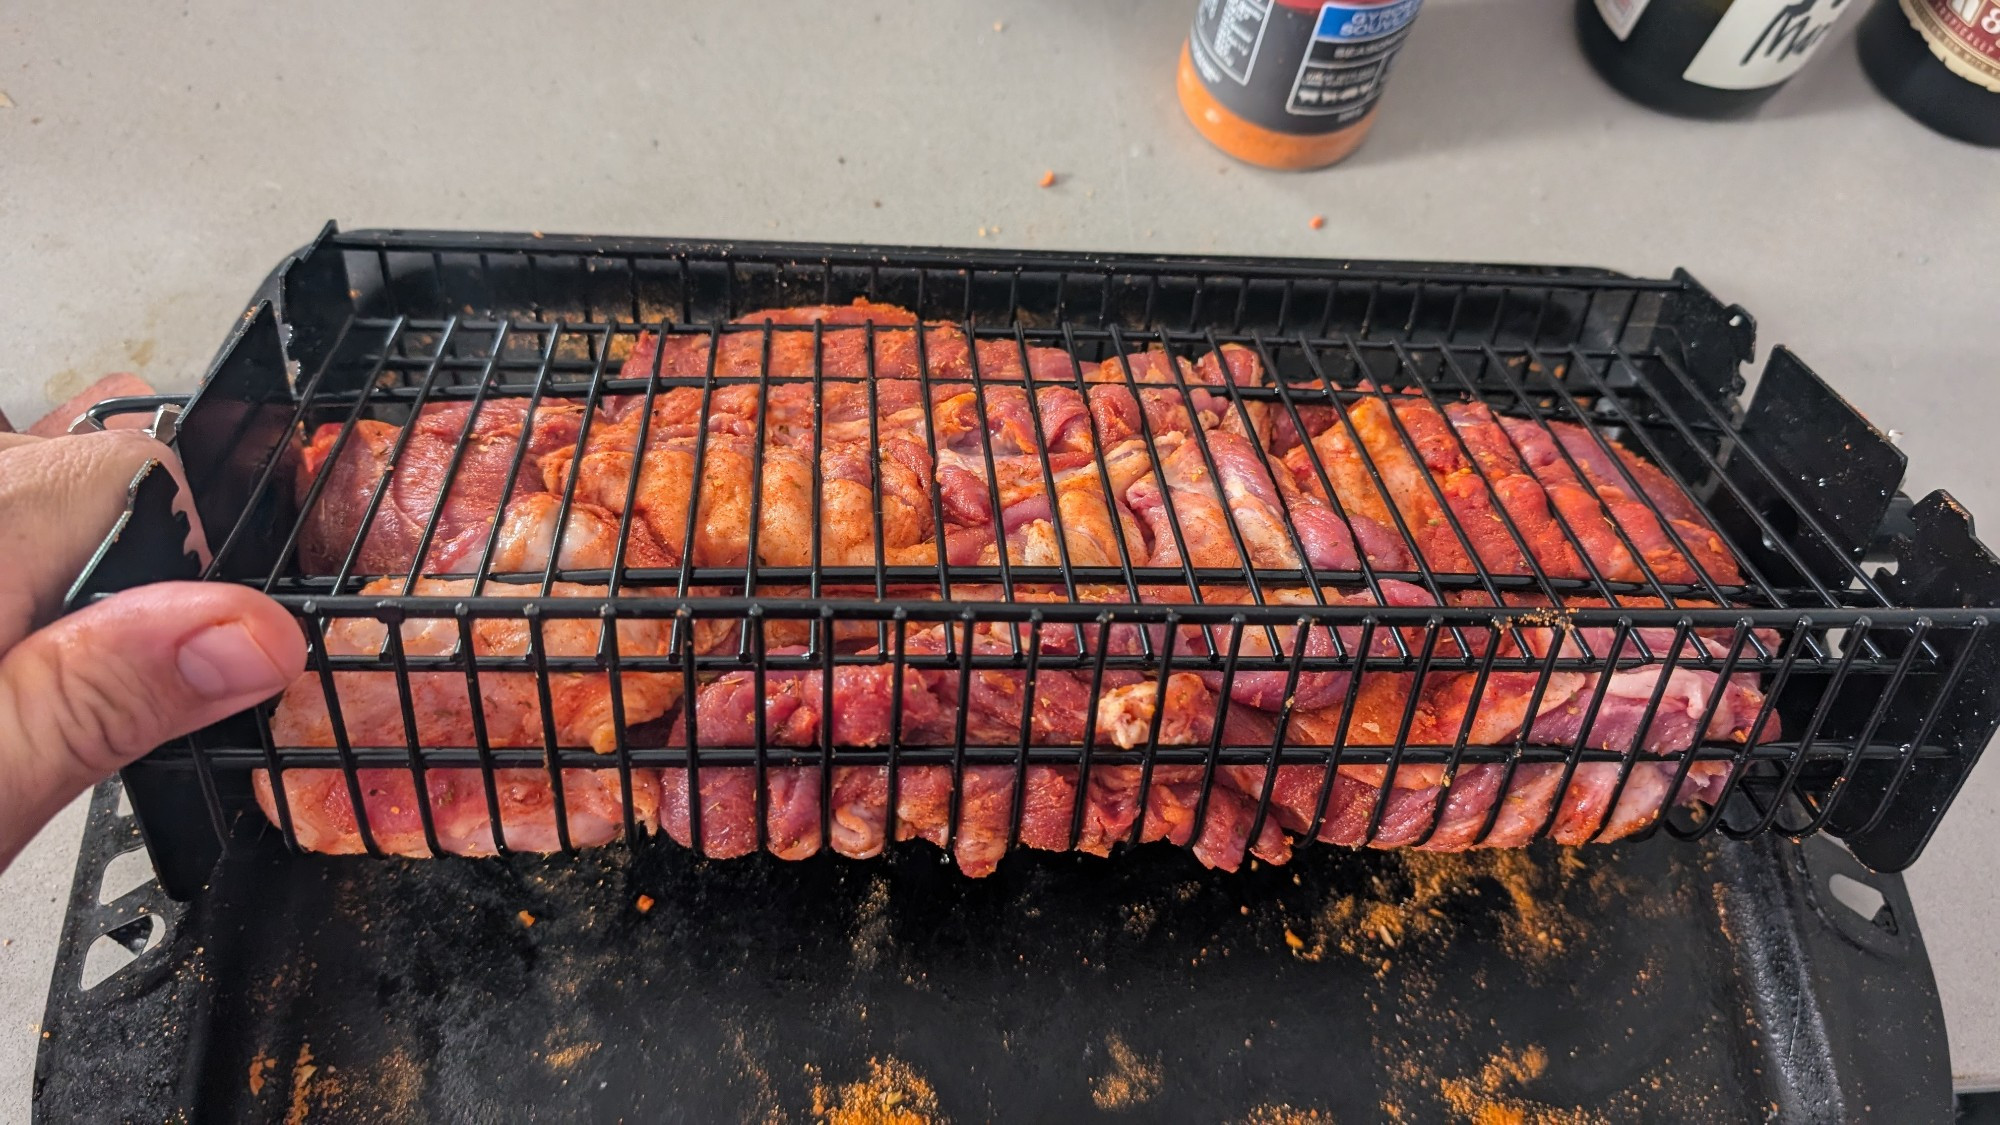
(104, 685)
(58, 498)
(59, 420)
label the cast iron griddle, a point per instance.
(1650, 982)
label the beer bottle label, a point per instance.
(1298, 69)
(1964, 34)
(1761, 43)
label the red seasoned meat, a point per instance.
(1188, 519)
(510, 707)
(1316, 688)
(371, 716)
(323, 813)
(879, 440)
(1412, 488)
(1332, 460)
(864, 702)
(1519, 492)
(1267, 524)
(1465, 491)
(417, 487)
(1615, 478)
(1662, 559)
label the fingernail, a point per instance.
(225, 662)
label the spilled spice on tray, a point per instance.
(1140, 918)
(892, 1094)
(764, 1106)
(302, 1077)
(1133, 1079)
(1484, 1100)
(396, 1081)
(1285, 1115)
(1528, 906)
(562, 1058)
(871, 924)
(1401, 906)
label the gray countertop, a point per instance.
(158, 159)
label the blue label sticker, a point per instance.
(1342, 73)
(1358, 23)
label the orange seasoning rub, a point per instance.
(1289, 83)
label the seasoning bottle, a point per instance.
(1703, 58)
(1289, 83)
(1939, 60)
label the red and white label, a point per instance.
(1963, 33)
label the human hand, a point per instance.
(85, 694)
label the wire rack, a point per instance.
(1863, 617)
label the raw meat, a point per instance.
(854, 436)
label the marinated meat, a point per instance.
(855, 436)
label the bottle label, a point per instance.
(1964, 34)
(1761, 43)
(1298, 70)
(1620, 15)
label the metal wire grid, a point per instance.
(1840, 637)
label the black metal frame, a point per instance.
(1881, 678)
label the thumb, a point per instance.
(98, 688)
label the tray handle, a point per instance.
(166, 410)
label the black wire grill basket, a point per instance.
(1862, 617)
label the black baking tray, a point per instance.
(1719, 981)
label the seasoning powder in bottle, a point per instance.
(1289, 83)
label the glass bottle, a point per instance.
(1939, 60)
(1289, 83)
(1703, 58)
